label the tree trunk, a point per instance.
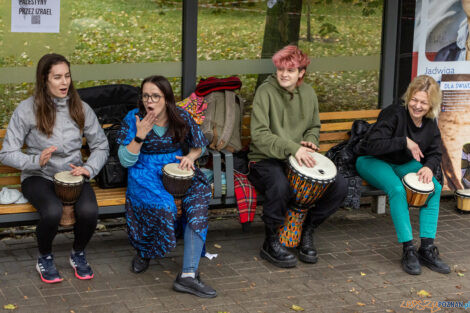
(282, 28)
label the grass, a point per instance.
(122, 31)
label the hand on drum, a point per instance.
(46, 155)
(145, 125)
(310, 145)
(303, 157)
(186, 163)
(414, 148)
(425, 175)
(78, 170)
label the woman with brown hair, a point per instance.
(51, 124)
(152, 136)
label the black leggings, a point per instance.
(40, 192)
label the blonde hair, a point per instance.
(431, 88)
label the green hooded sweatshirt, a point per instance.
(280, 120)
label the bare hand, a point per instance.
(145, 125)
(78, 170)
(414, 148)
(310, 145)
(303, 157)
(46, 155)
(186, 163)
(425, 175)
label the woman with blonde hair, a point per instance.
(406, 139)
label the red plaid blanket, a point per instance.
(246, 197)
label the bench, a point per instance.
(334, 129)
(111, 201)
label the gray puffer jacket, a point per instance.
(66, 137)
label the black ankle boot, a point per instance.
(139, 264)
(429, 256)
(274, 252)
(307, 250)
(409, 261)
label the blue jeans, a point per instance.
(193, 245)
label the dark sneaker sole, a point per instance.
(433, 268)
(180, 288)
(54, 281)
(307, 258)
(407, 270)
(283, 264)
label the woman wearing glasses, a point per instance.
(151, 137)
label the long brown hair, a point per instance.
(177, 127)
(44, 106)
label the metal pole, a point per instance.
(189, 48)
(389, 62)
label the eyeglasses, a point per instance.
(155, 97)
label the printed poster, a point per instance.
(35, 16)
(441, 49)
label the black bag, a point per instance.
(113, 174)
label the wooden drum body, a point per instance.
(289, 233)
(68, 188)
(309, 184)
(462, 197)
(417, 193)
(176, 181)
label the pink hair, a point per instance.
(289, 57)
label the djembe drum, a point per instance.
(176, 181)
(462, 196)
(68, 188)
(417, 193)
(309, 185)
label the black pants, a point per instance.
(40, 192)
(268, 176)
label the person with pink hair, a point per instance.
(285, 121)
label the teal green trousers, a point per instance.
(387, 176)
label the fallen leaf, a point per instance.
(217, 246)
(389, 311)
(363, 274)
(458, 287)
(360, 304)
(460, 274)
(10, 307)
(330, 266)
(423, 293)
(297, 308)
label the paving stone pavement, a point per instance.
(358, 271)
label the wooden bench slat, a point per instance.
(348, 115)
(8, 170)
(334, 136)
(10, 180)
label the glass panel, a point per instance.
(93, 32)
(235, 30)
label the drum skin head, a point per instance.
(324, 168)
(172, 169)
(411, 180)
(463, 193)
(67, 177)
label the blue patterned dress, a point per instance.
(150, 209)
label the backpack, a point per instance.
(223, 119)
